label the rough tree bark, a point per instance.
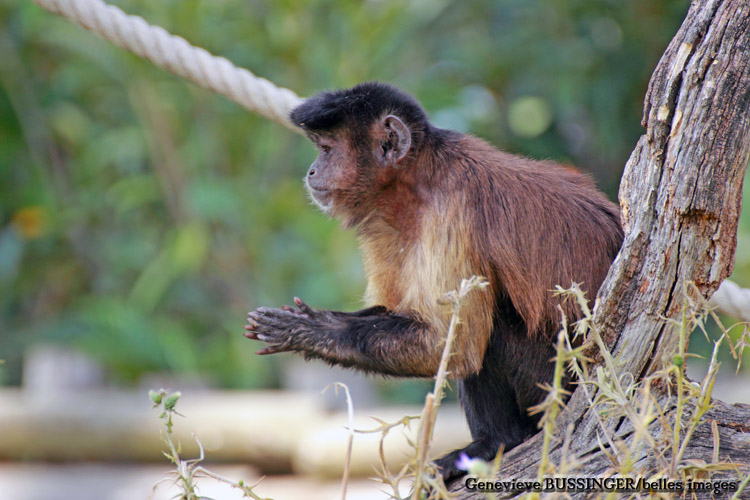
(681, 197)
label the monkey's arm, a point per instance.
(373, 340)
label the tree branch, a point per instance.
(681, 198)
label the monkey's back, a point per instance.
(541, 224)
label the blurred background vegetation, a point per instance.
(142, 217)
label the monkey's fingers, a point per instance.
(272, 349)
(304, 307)
(269, 325)
(257, 331)
(249, 333)
(273, 337)
(277, 317)
(294, 310)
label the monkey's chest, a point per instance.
(385, 262)
(408, 273)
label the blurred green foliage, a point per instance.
(142, 217)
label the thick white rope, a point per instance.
(732, 300)
(175, 54)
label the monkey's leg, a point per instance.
(494, 417)
(373, 340)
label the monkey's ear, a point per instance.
(396, 141)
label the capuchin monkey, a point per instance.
(430, 207)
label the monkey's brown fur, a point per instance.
(432, 207)
(527, 227)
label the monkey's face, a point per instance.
(354, 166)
(319, 192)
(331, 178)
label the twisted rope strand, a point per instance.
(732, 300)
(176, 55)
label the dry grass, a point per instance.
(662, 431)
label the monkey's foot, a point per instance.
(450, 466)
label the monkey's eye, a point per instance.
(324, 148)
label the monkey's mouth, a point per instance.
(321, 197)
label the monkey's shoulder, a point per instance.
(477, 161)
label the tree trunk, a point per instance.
(681, 197)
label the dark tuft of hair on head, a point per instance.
(360, 105)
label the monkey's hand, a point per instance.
(304, 330)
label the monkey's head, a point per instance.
(367, 136)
